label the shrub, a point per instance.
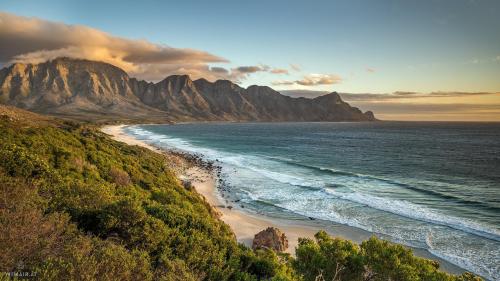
(329, 258)
(119, 177)
(332, 258)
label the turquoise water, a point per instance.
(434, 186)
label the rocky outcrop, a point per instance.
(271, 238)
(80, 87)
(70, 87)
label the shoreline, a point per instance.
(246, 224)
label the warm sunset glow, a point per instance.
(374, 48)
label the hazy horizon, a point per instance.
(425, 61)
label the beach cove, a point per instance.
(246, 223)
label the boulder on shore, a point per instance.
(271, 238)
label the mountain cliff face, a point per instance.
(89, 89)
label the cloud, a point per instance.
(409, 95)
(279, 71)
(370, 70)
(33, 40)
(319, 79)
(311, 80)
(420, 106)
(367, 97)
(242, 72)
(259, 68)
(217, 69)
(483, 60)
(432, 111)
(295, 67)
(282, 82)
(429, 106)
(249, 69)
(457, 108)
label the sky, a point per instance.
(444, 54)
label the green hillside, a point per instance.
(77, 205)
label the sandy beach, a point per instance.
(243, 224)
(246, 224)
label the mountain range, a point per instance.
(98, 91)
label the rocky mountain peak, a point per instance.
(79, 87)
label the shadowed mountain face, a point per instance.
(85, 89)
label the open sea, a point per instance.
(434, 186)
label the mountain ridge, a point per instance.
(84, 89)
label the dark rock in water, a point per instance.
(271, 238)
(311, 218)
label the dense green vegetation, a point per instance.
(328, 258)
(76, 205)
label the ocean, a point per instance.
(429, 185)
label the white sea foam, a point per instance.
(410, 210)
